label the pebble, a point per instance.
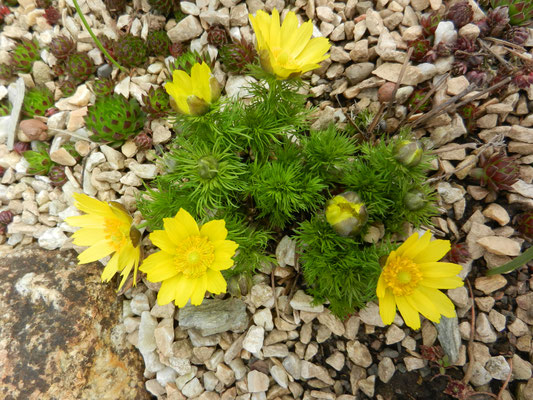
(104, 71)
(144, 171)
(188, 28)
(280, 376)
(498, 368)
(303, 302)
(499, 245)
(489, 284)
(358, 353)
(484, 329)
(480, 376)
(81, 97)
(147, 327)
(253, 341)
(386, 369)
(52, 239)
(257, 382)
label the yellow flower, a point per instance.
(411, 279)
(346, 213)
(193, 94)
(287, 51)
(190, 259)
(106, 228)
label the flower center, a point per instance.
(116, 233)
(194, 255)
(402, 276)
(283, 58)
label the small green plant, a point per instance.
(186, 60)
(62, 47)
(39, 160)
(103, 87)
(113, 119)
(341, 270)
(24, 55)
(80, 66)
(37, 101)
(163, 7)
(158, 43)
(156, 103)
(520, 11)
(237, 55)
(281, 189)
(130, 51)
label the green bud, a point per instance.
(207, 167)
(346, 213)
(414, 200)
(408, 153)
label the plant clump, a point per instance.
(498, 172)
(217, 36)
(37, 101)
(62, 47)
(52, 15)
(164, 7)
(130, 51)
(156, 103)
(103, 87)
(113, 119)
(236, 56)
(80, 66)
(158, 43)
(24, 55)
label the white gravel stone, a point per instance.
(52, 239)
(144, 171)
(358, 353)
(148, 324)
(386, 369)
(192, 388)
(480, 376)
(280, 376)
(257, 382)
(445, 33)
(263, 318)
(253, 341)
(188, 28)
(166, 376)
(498, 368)
(139, 303)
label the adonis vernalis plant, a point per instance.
(193, 93)
(107, 229)
(190, 259)
(287, 50)
(411, 280)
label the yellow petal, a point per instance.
(167, 291)
(131, 263)
(314, 52)
(87, 236)
(411, 241)
(419, 247)
(225, 248)
(86, 221)
(183, 289)
(409, 314)
(175, 230)
(188, 222)
(161, 239)
(96, 252)
(380, 289)
(199, 290)
(434, 251)
(447, 282)
(443, 304)
(160, 267)
(291, 36)
(387, 307)
(89, 205)
(214, 230)
(216, 283)
(439, 269)
(275, 31)
(423, 305)
(221, 263)
(200, 74)
(110, 269)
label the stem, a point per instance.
(98, 43)
(523, 258)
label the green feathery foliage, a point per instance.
(328, 153)
(212, 176)
(163, 201)
(338, 269)
(281, 189)
(383, 183)
(39, 160)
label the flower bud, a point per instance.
(408, 153)
(346, 213)
(207, 167)
(414, 200)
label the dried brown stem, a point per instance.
(424, 99)
(468, 373)
(508, 378)
(399, 81)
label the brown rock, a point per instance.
(489, 284)
(34, 129)
(59, 336)
(500, 245)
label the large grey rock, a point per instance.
(449, 337)
(215, 316)
(60, 336)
